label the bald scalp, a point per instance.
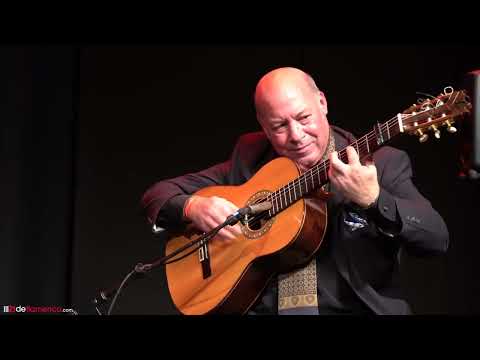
(278, 83)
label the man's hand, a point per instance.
(357, 182)
(207, 213)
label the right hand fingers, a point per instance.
(208, 213)
(225, 236)
(226, 233)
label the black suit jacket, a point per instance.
(367, 258)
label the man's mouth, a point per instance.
(301, 149)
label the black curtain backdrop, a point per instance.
(86, 129)
(37, 141)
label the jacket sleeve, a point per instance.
(421, 230)
(163, 202)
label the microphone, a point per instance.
(258, 208)
(248, 210)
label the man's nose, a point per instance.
(296, 132)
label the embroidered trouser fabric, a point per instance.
(297, 290)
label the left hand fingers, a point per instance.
(367, 160)
(337, 166)
(352, 156)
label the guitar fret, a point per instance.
(270, 212)
(276, 198)
(377, 138)
(446, 105)
(276, 201)
(290, 193)
(380, 134)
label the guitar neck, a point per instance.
(317, 176)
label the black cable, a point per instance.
(139, 269)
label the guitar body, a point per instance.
(241, 269)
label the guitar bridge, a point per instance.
(204, 259)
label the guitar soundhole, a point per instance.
(259, 224)
(257, 227)
(256, 224)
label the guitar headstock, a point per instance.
(434, 113)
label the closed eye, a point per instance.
(305, 119)
(279, 126)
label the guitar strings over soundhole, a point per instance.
(259, 224)
(256, 223)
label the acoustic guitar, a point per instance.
(220, 278)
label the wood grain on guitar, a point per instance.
(291, 232)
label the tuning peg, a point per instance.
(423, 137)
(436, 131)
(450, 128)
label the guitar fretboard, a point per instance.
(317, 176)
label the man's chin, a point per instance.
(307, 162)
(304, 165)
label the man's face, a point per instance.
(295, 122)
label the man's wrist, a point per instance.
(187, 207)
(373, 204)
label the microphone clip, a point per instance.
(243, 213)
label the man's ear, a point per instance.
(323, 102)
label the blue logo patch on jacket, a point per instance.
(354, 221)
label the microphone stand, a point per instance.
(141, 269)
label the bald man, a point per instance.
(375, 212)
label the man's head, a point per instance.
(293, 114)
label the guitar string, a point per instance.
(299, 180)
(361, 144)
(310, 174)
